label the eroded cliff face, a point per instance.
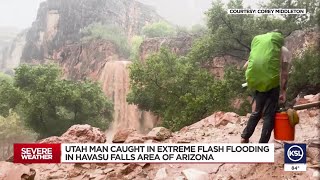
(59, 23)
(178, 45)
(85, 60)
(98, 60)
(300, 40)
(10, 55)
(181, 46)
(297, 43)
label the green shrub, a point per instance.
(108, 32)
(158, 29)
(234, 78)
(179, 91)
(6, 78)
(136, 41)
(10, 96)
(13, 130)
(198, 29)
(50, 105)
(304, 76)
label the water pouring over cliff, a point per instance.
(115, 81)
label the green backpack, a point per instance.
(263, 72)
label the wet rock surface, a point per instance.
(159, 133)
(79, 134)
(204, 131)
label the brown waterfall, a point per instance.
(115, 81)
(99, 60)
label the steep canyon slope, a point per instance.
(60, 22)
(55, 36)
(220, 127)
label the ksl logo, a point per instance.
(295, 153)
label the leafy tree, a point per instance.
(297, 21)
(5, 77)
(177, 90)
(181, 91)
(300, 80)
(136, 41)
(231, 34)
(199, 29)
(108, 32)
(13, 130)
(50, 105)
(182, 31)
(10, 96)
(318, 17)
(234, 78)
(158, 29)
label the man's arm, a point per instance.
(285, 61)
(284, 75)
(245, 65)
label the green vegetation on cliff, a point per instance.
(305, 75)
(136, 41)
(111, 33)
(49, 105)
(158, 29)
(181, 91)
(175, 89)
(13, 130)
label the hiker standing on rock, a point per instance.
(263, 74)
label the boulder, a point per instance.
(126, 169)
(303, 115)
(137, 173)
(74, 172)
(229, 117)
(161, 174)
(312, 98)
(159, 133)
(29, 176)
(316, 174)
(194, 174)
(16, 171)
(207, 122)
(79, 134)
(106, 171)
(121, 135)
(135, 138)
(301, 101)
(314, 154)
(314, 112)
(180, 178)
(215, 120)
(151, 141)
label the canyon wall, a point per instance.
(98, 60)
(55, 36)
(179, 45)
(10, 55)
(59, 23)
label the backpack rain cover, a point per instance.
(263, 72)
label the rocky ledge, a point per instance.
(221, 127)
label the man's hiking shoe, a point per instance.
(244, 140)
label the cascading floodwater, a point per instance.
(115, 82)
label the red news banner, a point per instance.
(37, 153)
(143, 153)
